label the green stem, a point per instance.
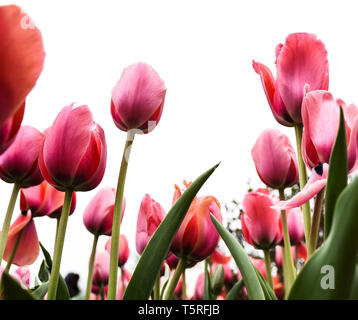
(267, 260)
(60, 239)
(303, 180)
(157, 288)
(117, 217)
(101, 291)
(184, 286)
(288, 263)
(315, 223)
(168, 295)
(7, 220)
(91, 267)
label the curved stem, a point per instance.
(303, 180)
(117, 217)
(60, 239)
(7, 220)
(315, 223)
(267, 260)
(91, 266)
(168, 295)
(14, 250)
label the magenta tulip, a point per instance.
(21, 59)
(295, 225)
(19, 164)
(101, 268)
(138, 98)
(74, 153)
(260, 223)
(123, 249)
(150, 215)
(275, 159)
(302, 65)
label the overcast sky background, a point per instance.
(215, 106)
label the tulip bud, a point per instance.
(296, 228)
(138, 98)
(44, 200)
(275, 159)
(123, 249)
(98, 215)
(74, 153)
(150, 215)
(19, 164)
(101, 268)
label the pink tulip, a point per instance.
(23, 275)
(19, 164)
(44, 200)
(10, 128)
(98, 215)
(275, 159)
(260, 223)
(197, 237)
(295, 225)
(29, 248)
(199, 287)
(21, 59)
(301, 253)
(138, 98)
(101, 268)
(150, 215)
(74, 153)
(172, 262)
(123, 281)
(260, 265)
(123, 249)
(302, 65)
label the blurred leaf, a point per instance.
(148, 267)
(166, 278)
(207, 283)
(41, 290)
(234, 291)
(354, 291)
(217, 280)
(44, 274)
(337, 253)
(337, 174)
(247, 270)
(268, 292)
(13, 290)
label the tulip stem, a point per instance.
(7, 220)
(184, 286)
(117, 217)
(267, 260)
(60, 239)
(101, 291)
(316, 219)
(288, 264)
(14, 250)
(168, 295)
(91, 266)
(303, 180)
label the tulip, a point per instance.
(295, 225)
(23, 276)
(123, 250)
(10, 128)
(275, 159)
(150, 215)
(21, 59)
(199, 287)
(123, 281)
(219, 258)
(101, 269)
(302, 65)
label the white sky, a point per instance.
(215, 106)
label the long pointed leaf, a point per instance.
(234, 291)
(142, 281)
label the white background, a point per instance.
(215, 106)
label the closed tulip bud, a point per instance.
(260, 223)
(21, 59)
(138, 98)
(98, 215)
(275, 159)
(197, 237)
(44, 200)
(150, 215)
(302, 66)
(19, 164)
(295, 225)
(123, 249)
(101, 268)
(74, 153)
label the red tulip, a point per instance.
(138, 98)
(10, 128)
(260, 223)
(275, 159)
(123, 249)
(101, 268)
(197, 237)
(219, 258)
(295, 225)
(19, 164)
(302, 65)
(98, 215)
(74, 153)
(150, 215)
(29, 248)
(44, 200)
(21, 59)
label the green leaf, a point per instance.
(166, 278)
(44, 274)
(13, 290)
(268, 292)
(217, 280)
(148, 267)
(234, 291)
(354, 291)
(339, 252)
(41, 290)
(337, 174)
(251, 281)
(207, 283)
(47, 256)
